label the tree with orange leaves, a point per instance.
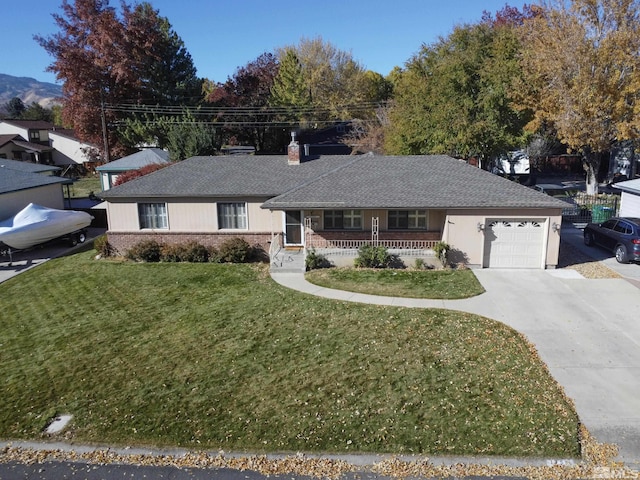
(581, 60)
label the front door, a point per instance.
(293, 228)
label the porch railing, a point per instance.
(409, 248)
(276, 254)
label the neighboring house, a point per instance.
(14, 147)
(340, 202)
(22, 183)
(70, 150)
(109, 172)
(57, 145)
(630, 198)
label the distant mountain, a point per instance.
(28, 90)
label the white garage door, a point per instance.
(629, 205)
(514, 243)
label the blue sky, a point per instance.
(222, 35)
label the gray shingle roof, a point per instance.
(430, 181)
(226, 176)
(27, 166)
(16, 180)
(366, 181)
(137, 160)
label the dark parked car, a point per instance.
(620, 235)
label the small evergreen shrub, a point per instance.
(372, 257)
(102, 246)
(418, 264)
(315, 260)
(145, 251)
(173, 253)
(235, 250)
(213, 255)
(195, 253)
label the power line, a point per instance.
(236, 123)
(239, 111)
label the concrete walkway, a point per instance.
(586, 331)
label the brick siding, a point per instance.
(121, 242)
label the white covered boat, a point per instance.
(35, 224)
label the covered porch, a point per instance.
(303, 231)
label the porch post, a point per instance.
(375, 230)
(273, 233)
(307, 231)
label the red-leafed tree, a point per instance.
(131, 174)
(106, 59)
(250, 89)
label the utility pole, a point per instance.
(105, 138)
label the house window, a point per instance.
(232, 216)
(153, 215)
(407, 219)
(343, 220)
(34, 135)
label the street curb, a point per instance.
(358, 460)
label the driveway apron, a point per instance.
(586, 331)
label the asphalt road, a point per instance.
(83, 471)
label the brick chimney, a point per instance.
(293, 151)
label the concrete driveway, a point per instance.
(586, 331)
(588, 334)
(32, 257)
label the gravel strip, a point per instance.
(572, 258)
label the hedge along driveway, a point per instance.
(219, 356)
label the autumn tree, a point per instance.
(368, 135)
(334, 82)
(582, 65)
(140, 172)
(106, 59)
(87, 60)
(453, 96)
(247, 94)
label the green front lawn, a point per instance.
(219, 356)
(441, 284)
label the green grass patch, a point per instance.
(82, 187)
(220, 356)
(435, 284)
